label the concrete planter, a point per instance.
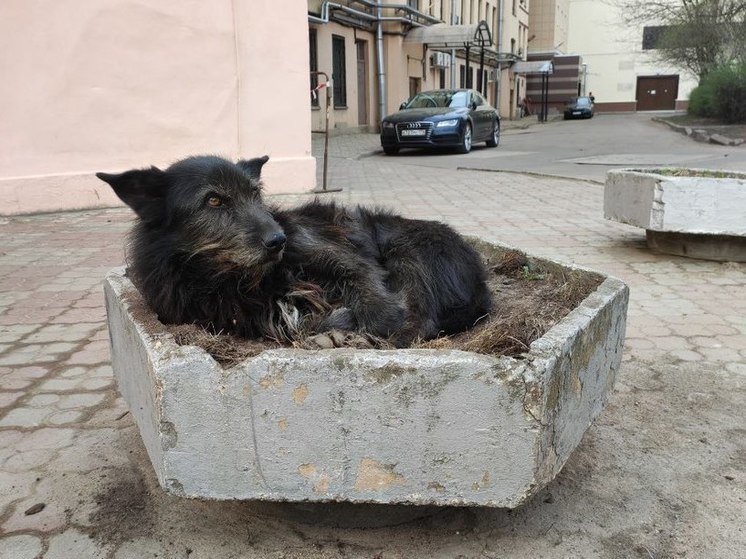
(695, 216)
(403, 426)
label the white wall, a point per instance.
(613, 53)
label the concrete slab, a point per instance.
(425, 427)
(699, 214)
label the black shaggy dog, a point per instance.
(207, 250)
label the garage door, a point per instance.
(657, 93)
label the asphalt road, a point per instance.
(586, 149)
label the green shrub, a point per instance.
(701, 101)
(721, 94)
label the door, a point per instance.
(362, 82)
(657, 93)
(414, 87)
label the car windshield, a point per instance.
(583, 102)
(439, 99)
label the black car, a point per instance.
(442, 117)
(579, 107)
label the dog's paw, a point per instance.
(340, 318)
(386, 318)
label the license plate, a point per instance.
(576, 112)
(415, 132)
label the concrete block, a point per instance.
(423, 427)
(712, 205)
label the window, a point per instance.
(413, 4)
(339, 71)
(313, 65)
(461, 75)
(651, 35)
(515, 10)
(442, 79)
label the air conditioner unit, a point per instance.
(440, 60)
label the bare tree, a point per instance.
(698, 35)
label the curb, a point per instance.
(700, 135)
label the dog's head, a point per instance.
(208, 206)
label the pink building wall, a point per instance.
(115, 84)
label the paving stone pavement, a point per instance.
(76, 483)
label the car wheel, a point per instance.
(494, 139)
(466, 138)
(390, 151)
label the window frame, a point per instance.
(339, 66)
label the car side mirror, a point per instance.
(403, 105)
(473, 105)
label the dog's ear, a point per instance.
(142, 190)
(253, 167)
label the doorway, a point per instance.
(657, 93)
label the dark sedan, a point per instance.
(579, 107)
(441, 118)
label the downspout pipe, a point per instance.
(381, 67)
(500, 25)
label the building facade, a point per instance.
(618, 68)
(369, 82)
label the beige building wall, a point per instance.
(408, 66)
(613, 56)
(549, 23)
(116, 84)
(515, 41)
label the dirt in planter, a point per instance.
(529, 297)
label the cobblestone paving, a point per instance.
(75, 479)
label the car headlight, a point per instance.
(447, 123)
(387, 124)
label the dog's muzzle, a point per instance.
(274, 244)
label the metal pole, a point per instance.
(381, 64)
(326, 134)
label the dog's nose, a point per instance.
(275, 242)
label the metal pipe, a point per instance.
(398, 7)
(453, 51)
(326, 129)
(381, 67)
(498, 81)
(327, 7)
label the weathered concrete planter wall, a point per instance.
(700, 217)
(404, 426)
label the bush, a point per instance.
(701, 101)
(721, 94)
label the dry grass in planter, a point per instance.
(529, 297)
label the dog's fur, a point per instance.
(207, 250)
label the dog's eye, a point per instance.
(214, 201)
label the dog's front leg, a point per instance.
(366, 303)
